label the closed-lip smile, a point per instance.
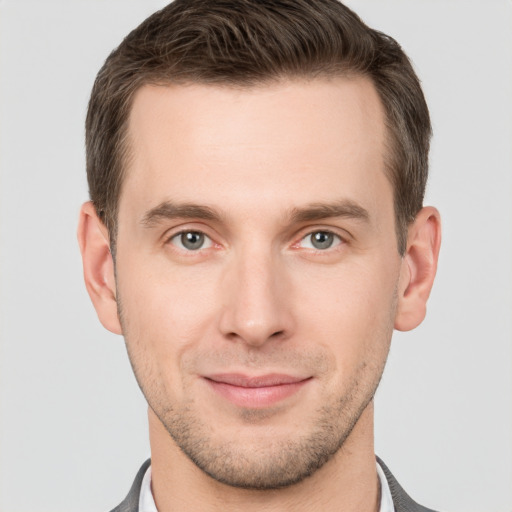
(258, 391)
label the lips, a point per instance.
(255, 391)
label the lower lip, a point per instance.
(256, 398)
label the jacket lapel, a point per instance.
(131, 502)
(401, 500)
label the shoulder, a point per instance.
(131, 502)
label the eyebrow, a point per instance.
(344, 208)
(169, 210)
(316, 211)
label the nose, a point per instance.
(257, 304)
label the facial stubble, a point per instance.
(275, 463)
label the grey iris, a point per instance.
(322, 239)
(192, 240)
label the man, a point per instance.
(256, 232)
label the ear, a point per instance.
(98, 267)
(419, 266)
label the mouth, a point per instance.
(255, 392)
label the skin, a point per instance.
(260, 171)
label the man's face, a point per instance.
(257, 270)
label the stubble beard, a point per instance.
(274, 463)
(268, 463)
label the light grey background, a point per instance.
(72, 420)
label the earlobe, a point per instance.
(419, 267)
(98, 267)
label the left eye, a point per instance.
(320, 240)
(191, 240)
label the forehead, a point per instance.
(288, 142)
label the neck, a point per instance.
(348, 481)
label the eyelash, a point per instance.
(296, 245)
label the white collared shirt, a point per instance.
(386, 500)
(147, 503)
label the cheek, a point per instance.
(165, 308)
(350, 310)
(165, 315)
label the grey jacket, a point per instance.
(402, 501)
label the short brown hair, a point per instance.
(246, 43)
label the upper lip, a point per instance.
(258, 381)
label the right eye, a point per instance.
(191, 241)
